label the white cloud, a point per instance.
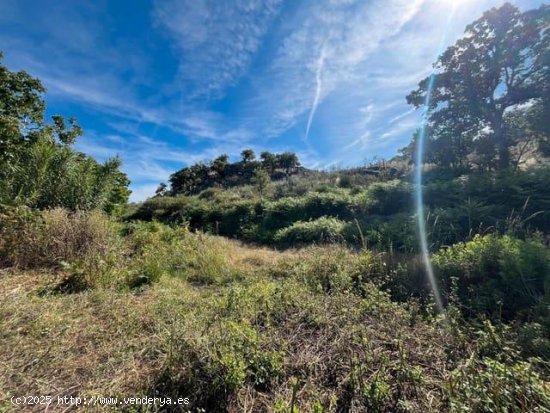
(347, 33)
(215, 41)
(318, 87)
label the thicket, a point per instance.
(380, 215)
(39, 168)
(222, 173)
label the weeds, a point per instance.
(235, 328)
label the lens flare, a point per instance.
(419, 199)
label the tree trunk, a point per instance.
(502, 145)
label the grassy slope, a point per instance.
(276, 328)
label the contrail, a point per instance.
(319, 81)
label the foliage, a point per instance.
(488, 385)
(261, 180)
(31, 239)
(84, 245)
(38, 166)
(499, 63)
(497, 275)
(388, 198)
(321, 230)
(381, 216)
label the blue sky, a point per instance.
(167, 83)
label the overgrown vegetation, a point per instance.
(320, 301)
(38, 166)
(235, 328)
(379, 215)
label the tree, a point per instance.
(288, 161)
(525, 134)
(21, 110)
(501, 62)
(38, 166)
(248, 155)
(190, 180)
(269, 161)
(261, 180)
(220, 164)
(162, 190)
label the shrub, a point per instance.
(160, 208)
(322, 230)
(344, 181)
(497, 273)
(46, 239)
(160, 250)
(488, 385)
(84, 245)
(218, 348)
(396, 233)
(534, 340)
(389, 197)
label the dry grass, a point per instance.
(53, 236)
(109, 343)
(291, 330)
(92, 343)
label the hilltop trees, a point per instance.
(220, 172)
(269, 161)
(248, 155)
(38, 166)
(219, 164)
(287, 161)
(501, 63)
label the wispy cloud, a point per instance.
(308, 63)
(214, 41)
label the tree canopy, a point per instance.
(501, 64)
(38, 166)
(220, 172)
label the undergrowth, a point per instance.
(166, 311)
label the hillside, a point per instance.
(418, 284)
(360, 207)
(235, 328)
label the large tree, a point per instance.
(38, 166)
(501, 62)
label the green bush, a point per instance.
(160, 208)
(322, 230)
(389, 198)
(160, 250)
(488, 385)
(345, 181)
(395, 233)
(497, 275)
(534, 340)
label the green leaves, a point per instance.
(501, 62)
(500, 276)
(38, 166)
